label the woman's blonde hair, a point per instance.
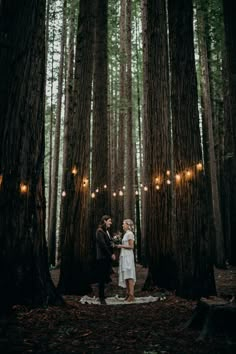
(130, 223)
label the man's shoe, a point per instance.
(102, 301)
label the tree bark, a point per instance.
(100, 166)
(55, 167)
(230, 158)
(76, 251)
(210, 143)
(24, 264)
(195, 277)
(157, 151)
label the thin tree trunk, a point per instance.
(210, 145)
(55, 167)
(230, 160)
(130, 150)
(144, 111)
(122, 116)
(68, 121)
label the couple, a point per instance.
(105, 255)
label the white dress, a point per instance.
(126, 261)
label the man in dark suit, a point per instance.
(104, 255)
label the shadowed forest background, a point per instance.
(124, 108)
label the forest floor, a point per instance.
(150, 328)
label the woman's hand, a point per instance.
(119, 246)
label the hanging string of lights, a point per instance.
(160, 180)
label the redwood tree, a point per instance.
(230, 132)
(76, 247)
(195, 276)
(24, 270)
(100, 176)
(157, 149)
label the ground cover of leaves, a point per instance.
(152, 328)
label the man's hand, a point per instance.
(113, 257)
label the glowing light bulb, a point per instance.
(114, 194)
(74, 171)
(136, 193)
(199, 166)
(145, 188)
(157, 187)
(93, 195)
(24, 188)
(63, 193)
(97, 190)
(188, 174)
(105, 186)
(121, 193)
(168, 181)
(177, 177)
(168, 172)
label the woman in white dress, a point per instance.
(127, 274)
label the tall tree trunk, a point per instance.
(230, 159)
(76, 251)
(195, 276)
(145, 90)
(100, 171)
(130, 150)
(51, 129)
(122, 116)
(68, 121)
(138, 145)
(55, 166)
(24, 267)
(209, 144)
(157, 150)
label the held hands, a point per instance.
(118, 246)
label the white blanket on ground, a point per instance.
(116, 300)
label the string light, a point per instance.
(24, 188)
(84, 184)
(199, 166)
(177, 177)
(74, 171)
(188, 174)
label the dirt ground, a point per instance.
(152, 328)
